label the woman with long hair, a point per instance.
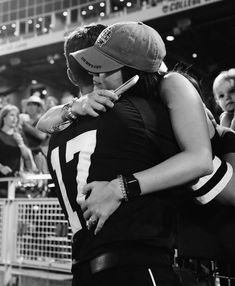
(15, 156)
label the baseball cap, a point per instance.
(35, 99)
(132, 44)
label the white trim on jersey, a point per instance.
(208, 187)
(83, 145)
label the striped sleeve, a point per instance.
(208, 187)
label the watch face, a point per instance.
(133, 187)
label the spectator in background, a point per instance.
(4, 100)
(15, 156)
(224, 93)
(66, 97)
(35, 138)
(23, 105)
(51, 101)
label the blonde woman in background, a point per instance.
(15, 156)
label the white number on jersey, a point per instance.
(83, 144)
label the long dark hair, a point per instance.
(147, 85)
(191, 77)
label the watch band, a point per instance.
(122, 187)
(67, 113)
(132, 187)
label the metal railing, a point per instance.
(34, 233)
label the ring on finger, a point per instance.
(92, 221)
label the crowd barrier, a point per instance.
(34, 236)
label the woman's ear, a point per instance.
(71, 77)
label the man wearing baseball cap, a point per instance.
(135, 245)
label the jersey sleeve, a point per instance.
(208, 187)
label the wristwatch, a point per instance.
(67, 112)
(132, 187)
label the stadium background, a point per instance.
(32, 33)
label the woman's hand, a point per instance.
(102, 199)
(90, 104)
(5, 170)
(94, 102)
(18, 138)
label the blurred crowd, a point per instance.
(23, 147)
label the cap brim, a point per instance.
(35, 102)
(94, 61)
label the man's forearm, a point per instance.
(60, 117)
(53, 120)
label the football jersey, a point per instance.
(208, 187)
(134, 135)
